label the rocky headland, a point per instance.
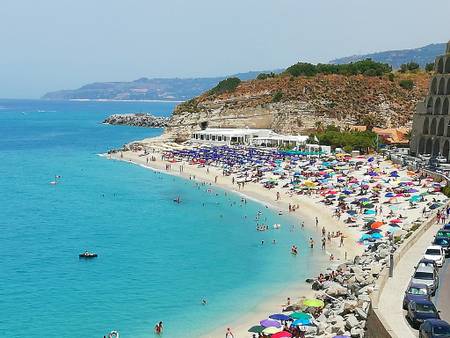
(137, 120)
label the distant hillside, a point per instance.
(396, 58)
(145, 89)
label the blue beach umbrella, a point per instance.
(377, 235)
(301, 321)
(280, 316)
(370, 212)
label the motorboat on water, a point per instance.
(113, 334)
(87, 254)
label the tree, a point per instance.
(226, 86)
(409, 67)
(429, 67)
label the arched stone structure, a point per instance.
(429, 146)
(440, 129)
(446, 149)
(436, 147)
(441, 89)
(437, 106)
(434, 85)
(447, 65)
(426, 126)
(421, 148)
(433, 127)
(430, 105)
(445, 107)
(440, 65)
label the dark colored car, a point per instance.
(443, 233)
(434, 328)
(420, 310)
(415, 292)
(444, 242)
(446, 227)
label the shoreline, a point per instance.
(308, 210)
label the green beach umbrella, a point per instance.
(313, 303)
(300, 315)
(256, 329)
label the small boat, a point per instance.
(113, 334)
(87, 254)
(277, 226)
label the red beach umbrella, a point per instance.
(282, 334)
(395, 220)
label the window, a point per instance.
(433, 252)
(424, 275)
(425, 308)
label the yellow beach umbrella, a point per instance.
(313, 303)
(271, 330)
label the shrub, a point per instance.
(406, 84)
(226, 86)
(277, 96)
(429, 67)
(263, 76)
(391, 77)
(446, 190)
(409, 67)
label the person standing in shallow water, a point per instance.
(229, 334)
(159, 328)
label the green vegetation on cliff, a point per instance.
(365, 67)
(226, 86)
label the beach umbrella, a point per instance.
(370, 212)
(395, 220)
(271, 330)
(279, 316)
(300, 315)
(415, 198)
(377, 235)
(341, 336)
(301, 321)
(256, 329)
(365, 237)
(269, 323)
(376, 225)
(282, 334)
(313, 303)
(389, 194)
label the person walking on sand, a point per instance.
(229, 334)
(323, 231)
(341, 242)
(317, 222)
(323, 243)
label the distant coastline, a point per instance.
(115, 100)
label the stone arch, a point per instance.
(203, 125)
(440, 65)
(437, 106)
(433, 87)
(436, 146)
(446, 149)
(447, 91)
(445, 106)
(447, 66)
(429, 146)
(433, 127)
(441, 90)
(430, 105)
(421, 148)
(426, 126)
(448, 129)
(440, 129)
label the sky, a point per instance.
(47, 45)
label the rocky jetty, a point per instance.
(137, 120)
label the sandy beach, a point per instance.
(308, 210)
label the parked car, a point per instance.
(426, 275)
(434, 328)
(435, 253)
(444, 242)
(415, 292)
(427, 262)
(420, 310)
(446, 227)
(443, 233)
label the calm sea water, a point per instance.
(157, 259)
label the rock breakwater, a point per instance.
(137, 120)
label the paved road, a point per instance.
(392, 296)
(442, 300)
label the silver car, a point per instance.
(426, 275)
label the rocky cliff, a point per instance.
(137, 120)
(298, 105)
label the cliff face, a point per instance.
(304, 104)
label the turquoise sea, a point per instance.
(157, 260)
